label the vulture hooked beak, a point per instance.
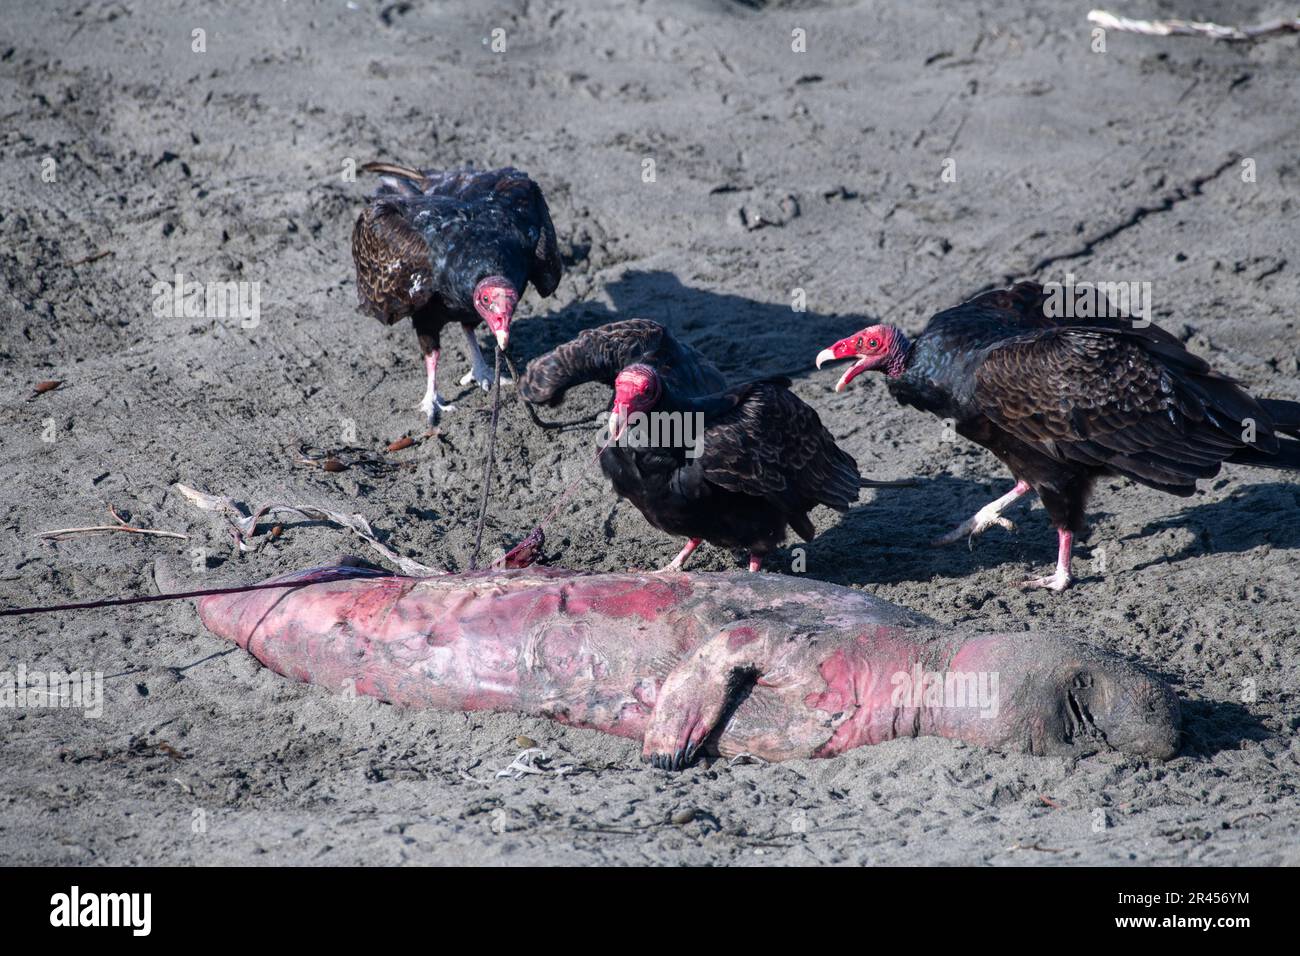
(495, 300)
(618, 421)
(844, 349)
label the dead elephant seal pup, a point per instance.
(774, 666)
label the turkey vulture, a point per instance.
(738, 464)
(460, 246)
(1062, 401)
(762, 461)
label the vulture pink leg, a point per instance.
(766, 664)
(1061, 578)
(432, 404)
(679, 562)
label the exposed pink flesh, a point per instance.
(652, 656)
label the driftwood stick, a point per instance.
(1215, 31)
(242, 523)
(91, 258)
(122, 524)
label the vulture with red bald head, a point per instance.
(735, 467)
(1062, 400)
(457, 246)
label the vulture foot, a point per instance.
(987, 517)
(433, 406)
(1058, 581)
(482, 376)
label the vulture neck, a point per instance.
(901, 358)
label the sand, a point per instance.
(773, 171)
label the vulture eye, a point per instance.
(873, 344)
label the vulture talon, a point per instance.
(433, 408)
(1005, 523)
(1061, 578)
(987, 517)
(1057, 581)
(679, 562)
(483, 377)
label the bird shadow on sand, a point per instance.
(1251, 517)
(885, 538)
(745, 339)
(866, 546)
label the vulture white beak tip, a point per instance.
(824, 356)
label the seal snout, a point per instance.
(1120, 708)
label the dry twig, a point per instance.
(1215, 31)
(243, 523)
(95, 257)
(122, 525)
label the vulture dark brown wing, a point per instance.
(1115, 399)
(528, 205)
(394, 276)
(1022, 304)
(596, 355)
(770, 444)
(1028, 307)
(1035, 307)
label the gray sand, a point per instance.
(226, 165)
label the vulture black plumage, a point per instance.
(455, 246)
(734, 466)
(599, 354)
(1061, 401)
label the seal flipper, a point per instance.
(699, 693)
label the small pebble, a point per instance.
(43, 387)
(332, 464)
(525, 742)
(406, 441)
(682, 817)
